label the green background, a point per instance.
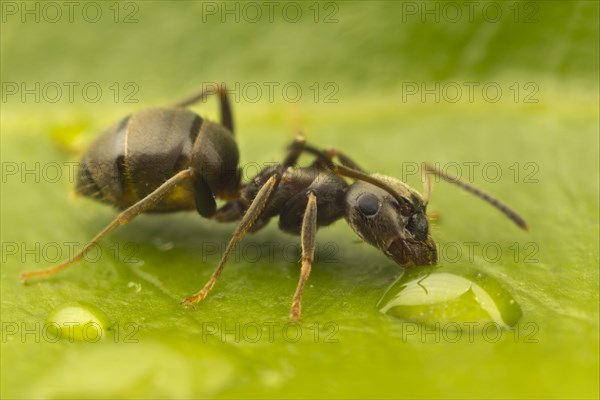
(371, 53)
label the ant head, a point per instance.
(395, 223)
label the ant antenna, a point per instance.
(353, 173)
(503, 208)
(426, 184)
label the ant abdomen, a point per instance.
(135, 156)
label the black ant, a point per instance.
(171, 159)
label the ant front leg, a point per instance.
(225, 106)
(308, 237)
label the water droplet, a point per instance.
(77, 321)
(137, 286)
(439, 295)
(162, 245)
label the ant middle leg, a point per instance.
(250, 217)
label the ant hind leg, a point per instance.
(225, 106)
(122, 219)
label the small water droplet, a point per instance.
(77, 321)
(161, 245)
(137, 286)
(440, 295)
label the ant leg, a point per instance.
(308, 237)
(294, 151)
(343, 159)
(299, 146)
(226, 115)
(250, 217)
(503, 208)
(122, 219)
(326, 157)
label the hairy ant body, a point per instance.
(170, 159)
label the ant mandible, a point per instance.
(171, 159)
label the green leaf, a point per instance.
(379, 82)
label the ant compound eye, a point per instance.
(368, 204)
